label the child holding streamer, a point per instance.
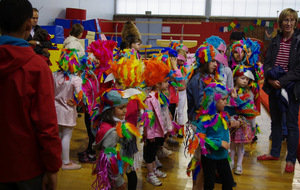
(115, 141)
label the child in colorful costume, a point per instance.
(114, 139)
(67, 87)
(158, 112)
(212, 136)
(243, 116)
(206, 71)
(220, 45)
(91, 69)
(183, 67)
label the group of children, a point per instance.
(122, 94)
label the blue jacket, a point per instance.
(194, 92)
(216, 137)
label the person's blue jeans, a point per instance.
(291, 123)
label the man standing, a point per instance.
(29, 141)
(35, 27)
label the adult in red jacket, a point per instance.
(29, 143)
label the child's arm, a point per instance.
(177, 73)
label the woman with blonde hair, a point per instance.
(284, 52)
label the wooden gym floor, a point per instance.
(262, 175)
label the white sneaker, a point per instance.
(238, 170)
(153, 180)
(158, 163)
(163, 153)
(71, 166)
(160, 174)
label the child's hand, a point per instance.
(70, 102)
(174, 63)
(122, 187)
(225, 145)
(233, 93)
(235, 124)
(152, 140)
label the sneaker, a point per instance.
(151, 178)
(171, 141)
(163, 153)
(160, 174)
(90, 158)
(158, 163)
(238, 170)
(71, 166)
(82, 154)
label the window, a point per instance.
(161, 7)
(252, 8)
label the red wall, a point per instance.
(205, 29)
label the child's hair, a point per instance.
(235, 35)
(131, 39)
(76, 30)
(243, 71)
(107, 116)
(182, 52)
(13, 14)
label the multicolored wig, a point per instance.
(239, 46)
(254, 55)
(212, 93)
(68, 62)
(156, 70)
(220, 45)
(128, 71)
(175, 45)
(243, 70)
(103, 52)
(205, 54)
(171, 52)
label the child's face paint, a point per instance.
(120, 111)
(221, 103)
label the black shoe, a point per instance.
(234, 184)
(82, 154)
(180, 136)
(88, 159)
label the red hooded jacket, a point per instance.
(29, 141)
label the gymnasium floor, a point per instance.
(262, 175)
